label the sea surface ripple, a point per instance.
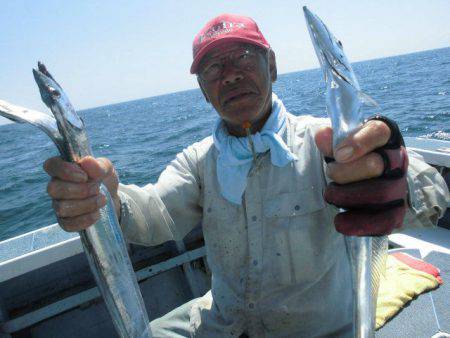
(141, 137)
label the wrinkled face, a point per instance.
(236, 79)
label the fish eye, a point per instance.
(54, 92)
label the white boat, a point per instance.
(47, 290)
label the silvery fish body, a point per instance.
(103, 242)
(344, 102)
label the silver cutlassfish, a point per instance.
(103, 242)
(344, 102)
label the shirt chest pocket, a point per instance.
(298, 229)
(291, 204)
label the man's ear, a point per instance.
(272, 66)
(203, 90)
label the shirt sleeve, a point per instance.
(167, 210)
(428, 193)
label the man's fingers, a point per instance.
(374, 134)
(365, 223)
(324, 141)
(368, 166)
(58, 168)
(87, 168)
(74, 208)
(58, 189)
(101, 169)
(376, 193)
(75, 190)
(79, 223)
(97, 169)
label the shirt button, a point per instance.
(251, 305)
(254, 218)
(255, 262)
(297, 208)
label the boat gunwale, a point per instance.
(34, 259)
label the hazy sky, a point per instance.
(105, 52)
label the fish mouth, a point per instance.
(48, 87)
(237, 95)
(43, 70)
(53, 96)
(42, 75)
(328, 48)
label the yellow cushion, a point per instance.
(406, 277)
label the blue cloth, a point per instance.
(235, 155)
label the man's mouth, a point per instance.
(236, 96)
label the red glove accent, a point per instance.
(375, 206)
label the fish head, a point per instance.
(55, 98)
(330, 52)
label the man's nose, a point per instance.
(231, 75)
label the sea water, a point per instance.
(141, 137)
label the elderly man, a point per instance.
(279, 265)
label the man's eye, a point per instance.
(244, 55)
(212, 68)
(245, 58)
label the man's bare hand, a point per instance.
(354, 157)
(75, 190)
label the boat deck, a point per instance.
(46, 286)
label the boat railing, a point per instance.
(28, 254)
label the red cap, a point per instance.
(225, 27)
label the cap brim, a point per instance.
(216, 43)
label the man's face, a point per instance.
(236, 79)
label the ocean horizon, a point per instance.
(4, 121)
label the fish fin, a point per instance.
(367, 99)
